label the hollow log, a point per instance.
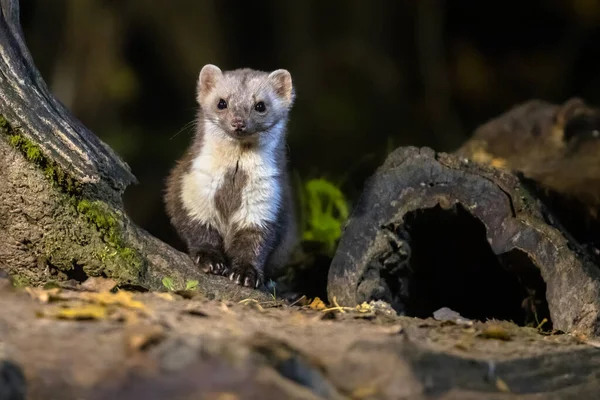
(434, 230)
(61, 212)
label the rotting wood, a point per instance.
(395, 246)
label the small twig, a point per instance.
(246, 301)
(541, 323)
(338, 307)
(294, 303)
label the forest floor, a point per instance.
(88, 342)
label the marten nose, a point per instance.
(238, 124)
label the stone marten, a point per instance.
(229, 197)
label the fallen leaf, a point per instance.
(43, 296)
(165, 296)
(462, 346)
(252, 303)
(498, 163)
(317, 304)
(221, 396)
(82, 313)
(495, 332)
(98, 284)
(502, 386)
(393, 330)
(139, 337)
(121, 298)
(362, 392)
(364, 307)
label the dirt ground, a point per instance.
(91, 343)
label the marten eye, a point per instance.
(222, 104)
(260, 107)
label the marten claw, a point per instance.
(217, 268)
(245, 275)
(210, 265)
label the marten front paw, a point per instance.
(245, 275)
(210, 263)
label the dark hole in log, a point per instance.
(452, 265)
(77, 273)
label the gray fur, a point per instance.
(244, 253)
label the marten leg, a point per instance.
(205, 247)
(248, 250)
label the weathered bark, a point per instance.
(434, 230)
(61, 213)
(556, 145)
(557, 150)
(176, 349)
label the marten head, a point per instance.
(245, 104)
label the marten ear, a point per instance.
(209, 76)
(282, 82)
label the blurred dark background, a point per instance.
(370, 76)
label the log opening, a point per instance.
(451, 264)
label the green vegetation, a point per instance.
(98, 213)
(191, 285)
(169, 284)
(20, 281)
(94, 211)
(33, 153)
(324, 212)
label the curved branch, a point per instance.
(25, 101)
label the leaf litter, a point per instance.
(96, 301)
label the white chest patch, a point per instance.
(260, 197)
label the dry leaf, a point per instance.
(121, 298)
(317, 304)
(139, 337)
(362, 392)
(165, 296)
(498, 163)
(502, 386)
(253, 303)
(221, 396)
(495, 332)
(83, 312)
(393, 329)
(364, 307)
(43, 295)
(97, 284)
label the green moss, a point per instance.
(20, 281)
(125, 261)
(34, 153)
(99, 214)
